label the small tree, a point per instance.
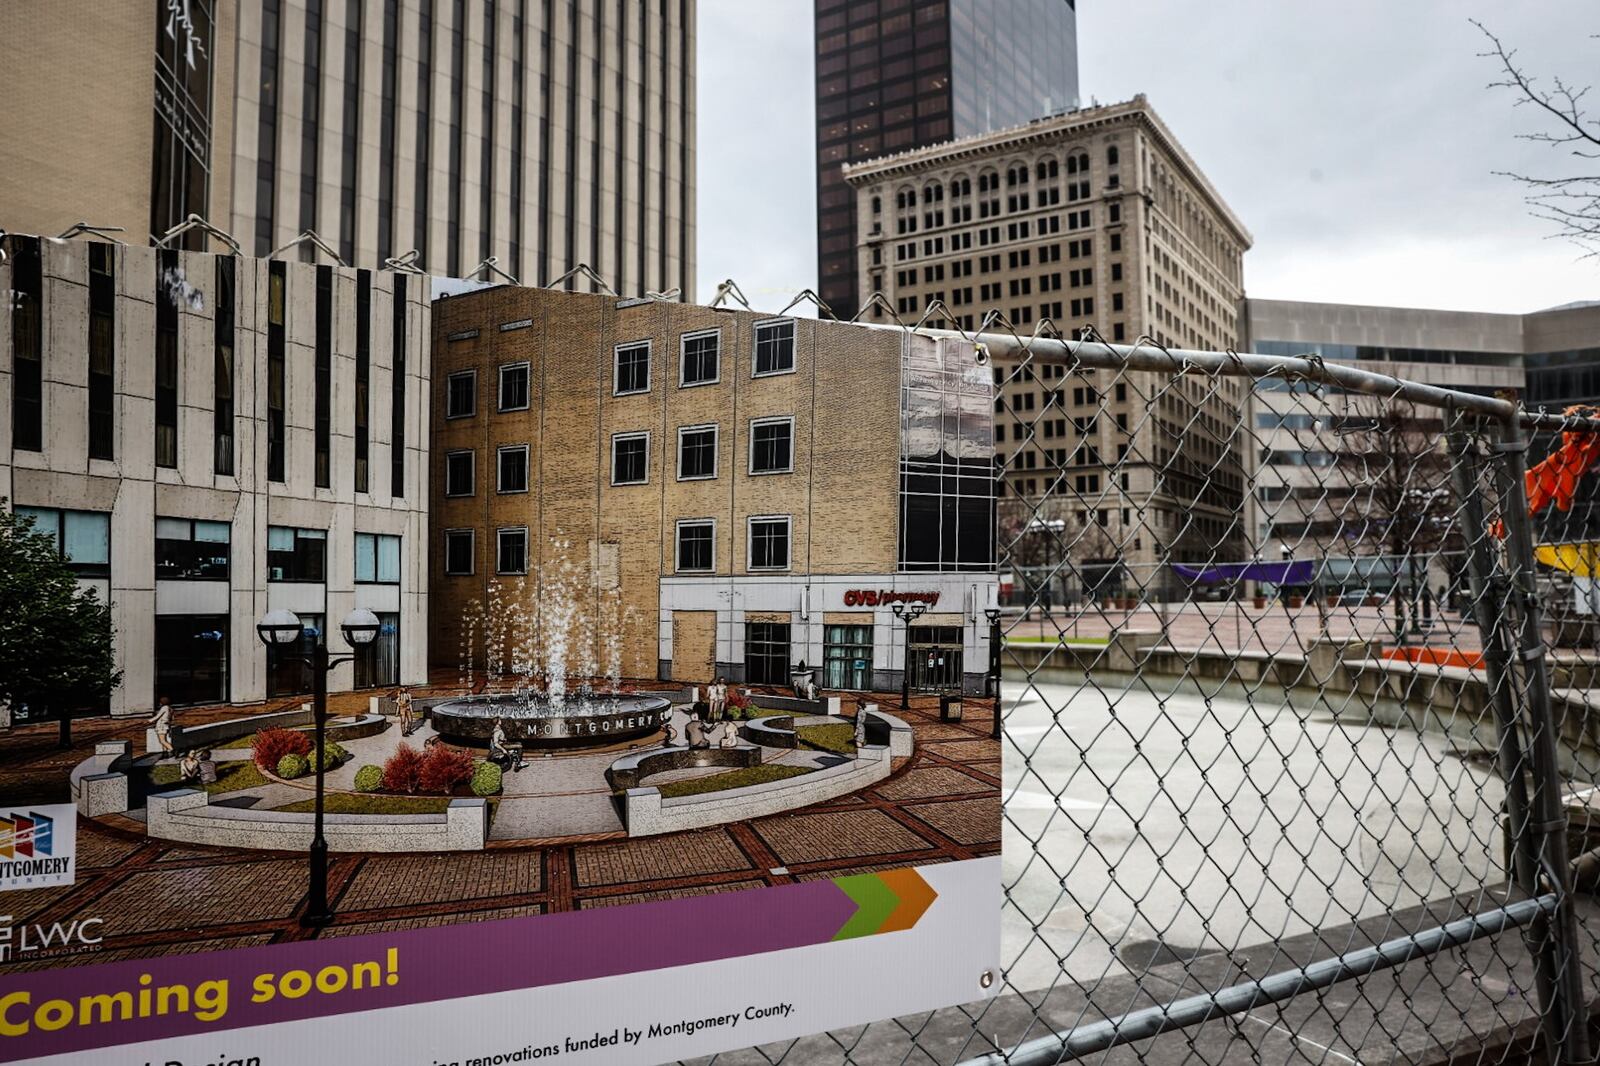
(55, 635)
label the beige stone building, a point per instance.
(651, 489)
(542, 134)
(1097, 217)
(207, 438)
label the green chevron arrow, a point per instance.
(874, 901)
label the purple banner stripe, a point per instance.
(468, 959)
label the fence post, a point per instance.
(1547, 830)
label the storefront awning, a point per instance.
(1293, 572)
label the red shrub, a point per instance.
(270, 745)
(401, 771)
(738, 700)
(443, 769)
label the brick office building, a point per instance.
(661, 490)
(1094, 217)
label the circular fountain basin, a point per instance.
(537, 721)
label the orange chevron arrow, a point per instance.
(916, 896)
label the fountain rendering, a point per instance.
(538, 720)
(568, 629)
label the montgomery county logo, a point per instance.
(38, 846)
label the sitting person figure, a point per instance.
(508, 756)
(670, 737)
(208, 768)
(695, 731)
(189, 765)
(730, 735)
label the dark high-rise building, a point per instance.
(899, 74)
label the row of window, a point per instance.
(699, 363)
(766, 547)
(188, 549)
(771, 452)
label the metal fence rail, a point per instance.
(1298, 730)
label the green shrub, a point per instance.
(486, 779)
(369, 778)
(332, 755)
(292, 766)
(731, 713)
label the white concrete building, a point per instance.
(210, 437)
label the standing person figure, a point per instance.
(402, 704)
(161, 722)
(717, 697)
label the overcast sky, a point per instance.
(1356, 141)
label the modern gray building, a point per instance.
(543, 133)
(1550, 358)
(895, 75)
(210, 437)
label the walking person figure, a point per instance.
(402, 704)
(161, 722)
(717, 697)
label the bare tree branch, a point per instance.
(1572, 202)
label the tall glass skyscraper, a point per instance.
(893, 75)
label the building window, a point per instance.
(192, 658)
(774, 347)
(363, 371)
(102, 350)
(700, 362)
(514, 387)
(189, 550)
(697, 452)
(461, 394)
(772, 446)
(632, 369)
(769, 542)
(696, 552)
(397, 414)
(512, 554)
(379, 666)
(27, 345)
(287, 673)
(377, 559)
(512, 472)
(766, 653)
(277, 368)
(297, 554)
(630, 458)
(222, 369)
(166, 359)
(81, 538)
(460, 551)
(323, 383)
(458, 471)
(847, 657)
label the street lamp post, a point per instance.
(281, 630)
(993, 615)
(908, 613)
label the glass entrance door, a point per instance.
(847, 657)
(936, 660)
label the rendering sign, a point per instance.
(564, 762)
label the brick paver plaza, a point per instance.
(158, 898)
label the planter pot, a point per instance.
(1260, 602)
(1373, 601)
(1333, 601)
(1295, 601)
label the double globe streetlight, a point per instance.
(282, 630)
(907, 613)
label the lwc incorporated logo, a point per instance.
(38, 846)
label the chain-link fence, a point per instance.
(1298, 748)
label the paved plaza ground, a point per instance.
(159, 898)
(1234, 626)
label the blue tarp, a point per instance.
(1293, 572)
